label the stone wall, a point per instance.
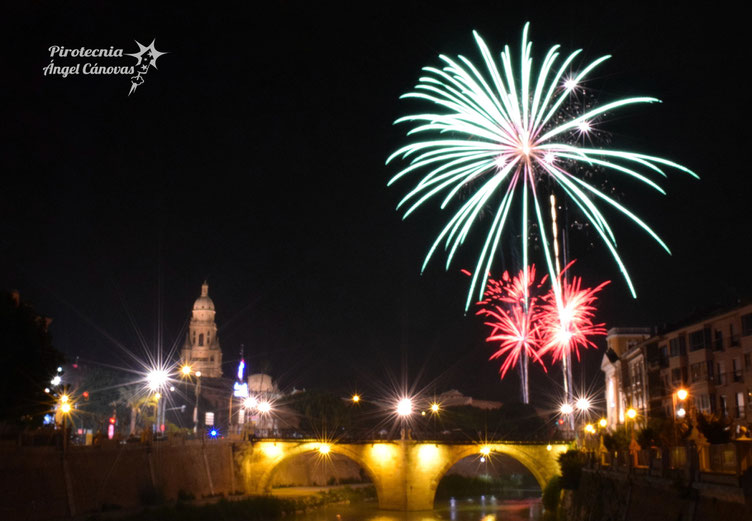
(37, 483)
(606, 495)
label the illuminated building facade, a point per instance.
(710, 358)
(625, 371)
(201, 348)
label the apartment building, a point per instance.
(710, 358)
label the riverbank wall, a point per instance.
(40, 483)
(607, 495)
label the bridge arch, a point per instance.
(539, 461)
(285, 451)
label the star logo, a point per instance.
(147, 58)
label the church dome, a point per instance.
(204, 302)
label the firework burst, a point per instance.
(511, 311)
(498, 134)
(566, 321)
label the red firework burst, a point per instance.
(511, 306)
(566, 325)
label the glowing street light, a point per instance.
(589, 428)
(405, 407)
(156, 379)
(264, 407)
(250, 403)
(355, 398)
(631, 413)
(485, 450)
(186, 370)
(681, 412)
(324, 448)
(583, 404)
(682, 394)
(566, 409)
(435, 407)
(603, 422)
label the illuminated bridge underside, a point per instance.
(405, 473)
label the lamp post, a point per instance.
(195, 408)
(404, 409)
(65, 409)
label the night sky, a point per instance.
(254, 158)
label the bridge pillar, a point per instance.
(406, 473)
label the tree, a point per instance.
(29, 359)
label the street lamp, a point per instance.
(355, 398)
(65, 409)
(405, 407)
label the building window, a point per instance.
(703, 403)
(724, 406)
(721, 374)
(678, 346)
(736, 370)
(747, 360)
(698, 372)
(201, 339)
(697, 340)
(676, 375)
(664, 356)
(209, 419)
(740, 408)
(747, 324)
(733, 337)
(718, 342)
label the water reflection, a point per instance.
(483, 508)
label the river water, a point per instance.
(483, 508)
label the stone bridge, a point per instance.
(405, 473)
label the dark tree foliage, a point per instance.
(29, 359)
(571, 463)
(99, 396)
(715, 429)
(321, 412)
(516, 421)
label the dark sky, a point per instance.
(254, 158)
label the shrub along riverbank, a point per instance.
(255, 508)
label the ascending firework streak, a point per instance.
(498, 136)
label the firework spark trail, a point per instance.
(498, 135)
(566, 321)
(512, 313)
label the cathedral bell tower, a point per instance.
(201, 348)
